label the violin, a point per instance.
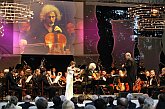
(137, 86)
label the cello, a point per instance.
(55, 42)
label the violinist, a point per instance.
(2, 75)
(69, 80)
(53, 71)
(48, 84)
(153, 83)
(21, 78)
(90, 70)
(153, 80)
(13, 84)
(36, 82)
(162, 77)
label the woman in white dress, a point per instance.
(69, 80)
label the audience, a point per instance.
(141, 102)
(148, 103)
(161, 101)
(68, 105)
(12, 103)
(131, 105)
(80, 102)
(122, 103)
(100, 104)
(41, 103)
(27, 103)
(93, 98)
(57, 103)
(6, 100)
(74, 100)
(89, 107)
(111, 105)
(63, 98)
(106, 101)
(145, 102)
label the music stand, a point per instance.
(99, 88)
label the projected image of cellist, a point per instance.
(46, 36)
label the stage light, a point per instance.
(15, 12)
(1, 29)
(149, 17)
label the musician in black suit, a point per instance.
(13, 85)
(130, 67)
(48, 85)
(162, 77)
(37, 80)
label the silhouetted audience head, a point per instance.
(129, 97)
(41, 103)
(81, 99)
(74, 100)
(12, 103)
(148, 103)
(105, 99)
(8, 98)
(63, 98)
(68, 105)
(141, 100)
(120, 107)
(13, 100)
(57, 100)
(89, 107)
(161, 97)
(94, 97)
(100, 104)
(122, 102)
(161, 101)
(110, 99)
(27, 98)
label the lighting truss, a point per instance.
(149, 18)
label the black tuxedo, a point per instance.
(48, 88)
(37, 85)
(130, 67)
(13, 85)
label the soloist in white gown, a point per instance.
(69, 83)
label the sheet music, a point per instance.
(29, 78)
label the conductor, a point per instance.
(130, 67)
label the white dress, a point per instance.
(69, 83)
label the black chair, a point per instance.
(9, 91)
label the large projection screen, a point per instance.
(56, 29)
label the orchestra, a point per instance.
(38, 82)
